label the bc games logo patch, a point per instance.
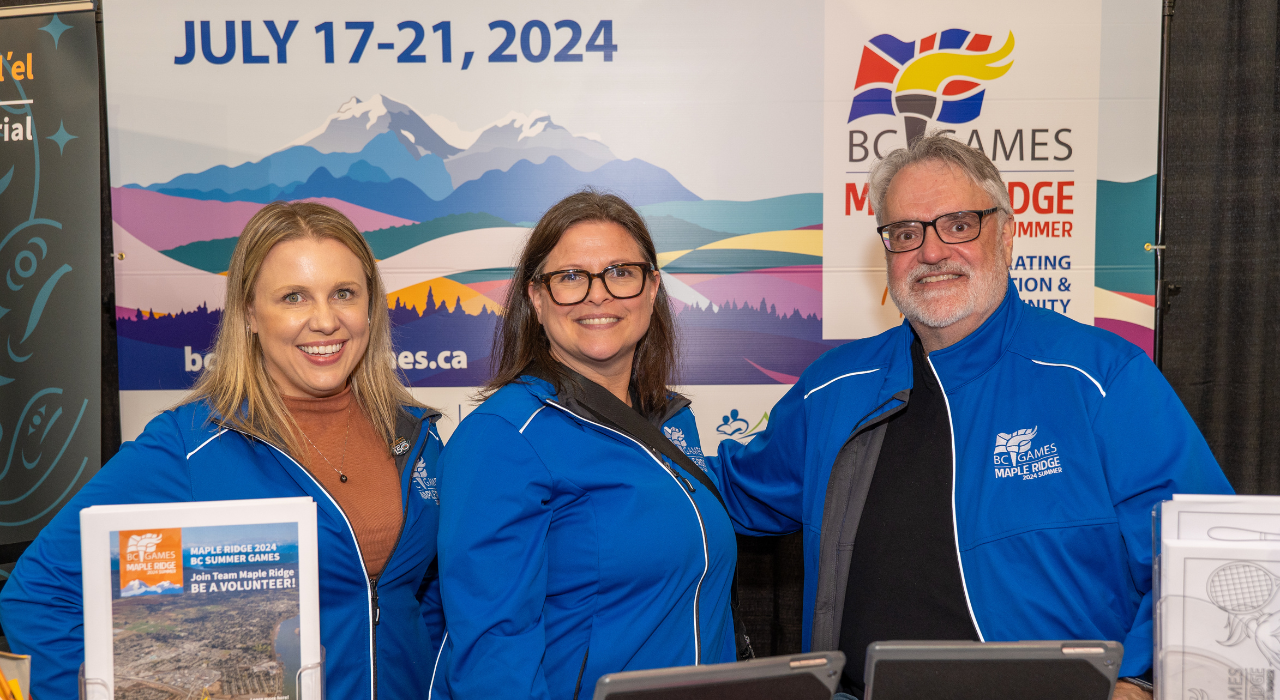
(1017, 456)
(424, 483)
(940, 77)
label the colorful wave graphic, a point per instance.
(748, 304)
(1124, 291)
(446, 222)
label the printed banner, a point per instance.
(445, 133)
(50, 243)
(206, 612)
(1061, 98)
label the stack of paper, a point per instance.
(1217, 613)
(201, 600)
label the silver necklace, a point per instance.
(341, 477)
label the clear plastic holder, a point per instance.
(309, 681)
(93, 688)
(1157, 608)
(1215, 579)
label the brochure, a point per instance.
(1217, 569)
(1218, 627)
(1221, 518)
(211, 599)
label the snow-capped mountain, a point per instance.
(370, 151)
(137, 587)
(516, 137)
(467, 154)
(357, 122)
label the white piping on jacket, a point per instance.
(206, 442)
(373, 652)
(954, 526)
(851, 374)
(526, 423)
(706, 556)
(1095, 381)
(431, 689)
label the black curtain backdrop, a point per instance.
(1221, 232)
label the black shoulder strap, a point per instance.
(625, 418)
(604, 404)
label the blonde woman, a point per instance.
(302, 401)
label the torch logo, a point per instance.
(143, 544)
(940, 77)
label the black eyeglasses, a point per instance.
(956, 227)
(621, 281)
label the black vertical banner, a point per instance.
(50, 229)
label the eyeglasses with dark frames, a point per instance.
(621, 281)
(953, 228)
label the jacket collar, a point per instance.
(411, 422)
(544, 391)
(968, 359)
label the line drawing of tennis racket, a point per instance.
(1241, 589)
(1240, 534)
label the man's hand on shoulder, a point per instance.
(1128, 691)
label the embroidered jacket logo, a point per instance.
(676, 436)
(1017, 456)
(424, 484)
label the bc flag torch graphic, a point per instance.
(940, 77)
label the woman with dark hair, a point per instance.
(303, 401)
(568, 547)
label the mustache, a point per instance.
(947, 268)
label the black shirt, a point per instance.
(904, 577)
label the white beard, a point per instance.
(984, 291)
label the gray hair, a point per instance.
(939, 147)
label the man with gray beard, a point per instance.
(984, 471)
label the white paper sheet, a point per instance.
(232, 557)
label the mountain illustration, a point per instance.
(397, 197)
(358, 122)
(526, 190)
(393, 141)
(518, 137)
(137, 587)
(522, 193)
(444, 208)
(270, 178)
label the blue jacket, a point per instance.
(181, 456)
(1064, 438)
(568, 551)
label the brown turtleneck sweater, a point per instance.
(371, 495)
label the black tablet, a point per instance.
(798, 677)
(1047, 670)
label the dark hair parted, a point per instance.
(520, 344)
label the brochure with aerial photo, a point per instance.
(201, 600)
